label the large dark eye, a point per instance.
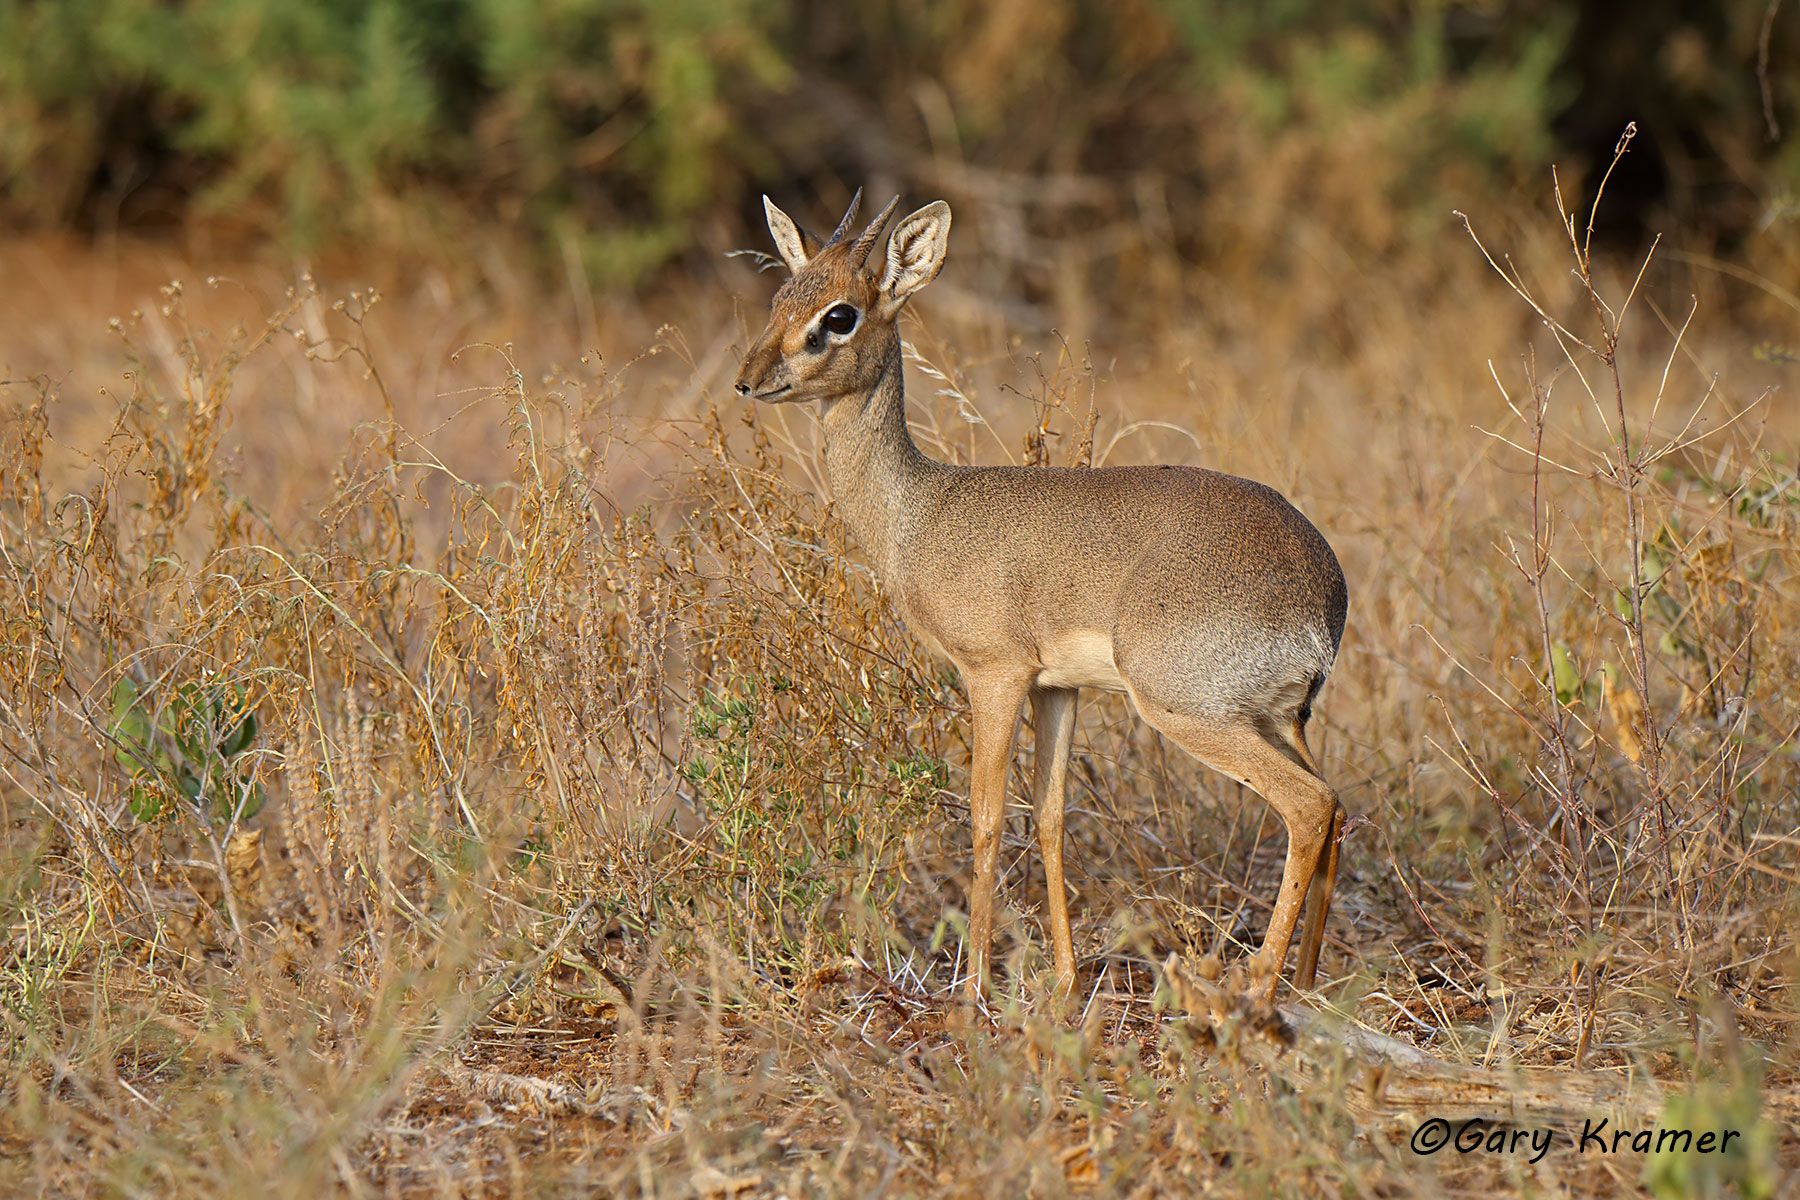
(841, 319)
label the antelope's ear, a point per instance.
(790, 240)
(915, 254)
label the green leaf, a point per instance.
(124, 695)
(130, 728)
(238, 740)
(1566, 679)
(253, 802)
(143, 801)
(131, 752)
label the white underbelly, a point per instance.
(1080, 658)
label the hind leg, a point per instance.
(1312, 935)
(1053, 714)
(1318, 906)
(1303, 801)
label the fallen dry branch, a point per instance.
(1384, 1081)
(532, 1094)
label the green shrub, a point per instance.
(619, 133)
(190, 746)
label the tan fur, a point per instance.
(1206, 598)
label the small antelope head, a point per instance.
(831, 328)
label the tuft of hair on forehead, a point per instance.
(829, 276)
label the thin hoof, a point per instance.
(1062, 993)
(1253, 979)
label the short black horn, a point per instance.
(843, 226)
(865, 241)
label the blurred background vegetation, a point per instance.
(624, 136)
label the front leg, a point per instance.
(994, 700)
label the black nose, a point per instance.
(743, 389)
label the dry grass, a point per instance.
(614, 835)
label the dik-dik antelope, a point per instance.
(1207, 599)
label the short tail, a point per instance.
(1312, 693)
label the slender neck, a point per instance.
(877, 473)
